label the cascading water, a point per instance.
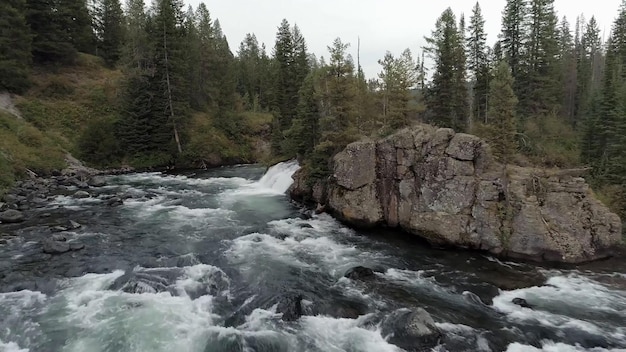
(278, 177)
(215, 261)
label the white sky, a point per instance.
(382, 25)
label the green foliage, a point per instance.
(15, 41)
(22, 147)
(109, 25)
(478, 63)
(501, 113)
(98, 144)
(292, 67)
(447, 97)
(550, 141)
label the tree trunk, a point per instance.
(169, 94)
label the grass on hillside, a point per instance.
(64, 100)
(22, 147)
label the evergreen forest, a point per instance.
(157, 85)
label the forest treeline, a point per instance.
(546, 92)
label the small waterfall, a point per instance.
(278, 177)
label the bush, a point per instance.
(98, 144)
(550, 141)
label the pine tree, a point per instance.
(137, 50)
(447, 96)
(109, 24)
(539, 91)
(478, 62)
(513, 34)
(589, 54)
(52, 43)
(501, 114)
(304, 134)
(292, 67)
(76, 21)
(397, 78)
(568, 74)
(15, 41)
(170, 69)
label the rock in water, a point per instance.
(521, 302)
(97, 181)
(411, 330)
(114, 202)
(359, 273)
(74, 246)
(447, 188)
(11, 216)
(291, 307)
(51, 246)
(81, 194)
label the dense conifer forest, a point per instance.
(157, 84)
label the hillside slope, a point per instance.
(76, 109)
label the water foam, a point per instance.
(549, 346)
(278, 177)
(568, 302)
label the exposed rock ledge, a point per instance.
(447, 188)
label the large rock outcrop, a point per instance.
(447, 188)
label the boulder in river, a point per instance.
(115, 201)
(50, 246)
(76, 246)
(11, 216)
(291, 307)
(411, 330)
(447, 188)
(82, 194)
(359, 273)
(97, 181)
(521, 302)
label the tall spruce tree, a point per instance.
(568, 73)
(170, 71)
(513, 34)
(501, 116)
(447, 95)
(292, 67)
(478, 62)
(52, 43)
(540, 92)
(109, 25)
(15, 41)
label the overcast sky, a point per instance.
(382, 25)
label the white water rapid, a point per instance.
(278, 177)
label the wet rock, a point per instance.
(73, 225)
(75, 246)
(291, 307)
(58, 228)
(59, 237)
(305, 226)
(411, 330)
(115, 201)
(97, 181)
(11, 216)
(359, 273)
(81, 194)
(50, 246)
(521, 302)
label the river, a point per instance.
(202, 261)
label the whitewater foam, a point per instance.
(278, 177)
(549, 346)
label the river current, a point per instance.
(202, 262)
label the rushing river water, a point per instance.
(201, 262)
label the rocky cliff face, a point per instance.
(447, 188)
